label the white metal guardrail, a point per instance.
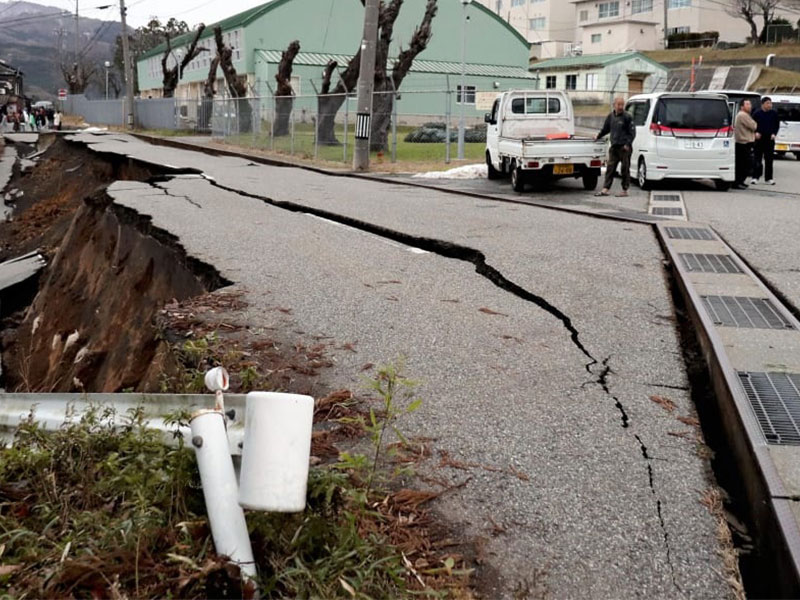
(51, 411)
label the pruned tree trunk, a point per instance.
(209, 90)
(386, 85)
(331, 98)
(171, 75)
(236, 87)
(284, 96)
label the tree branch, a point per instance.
(419, 41)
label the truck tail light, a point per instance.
(533, 164)
(596, 163)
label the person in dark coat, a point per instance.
(623, 131)
(769, 124)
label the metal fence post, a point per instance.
(292, 115)
(316, 122)
(346, 115)
(394, 122)
(447, 100)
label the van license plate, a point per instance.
(782, 147)
(694, 144)
(563, 169)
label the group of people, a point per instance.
(755, 131)
(22, 120)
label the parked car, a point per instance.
(788, 139)
(682, 136)
(530, 136)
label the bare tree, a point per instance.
(332, 97)
(78, 76)
(172, 74)
(236, 85)
(750, 10)
(284, 95)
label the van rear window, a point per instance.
(535, 106)
(787, 111)
(693, 113)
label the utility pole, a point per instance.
(126, 57)
(666, 27)
(77, 46)
(462, 118)
(366, 81)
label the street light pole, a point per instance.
(366, 78)
(463, 95)
(107, 65)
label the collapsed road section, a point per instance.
(604, 498)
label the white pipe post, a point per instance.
(226, 517)
(462, 119)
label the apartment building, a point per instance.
(607, 26)
(549, 25)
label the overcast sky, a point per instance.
(140, 11)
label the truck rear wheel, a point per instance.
(590, 181)
(491, 172)
(517, 178)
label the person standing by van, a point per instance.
(768, 126)
(623, 131)
(744, 129)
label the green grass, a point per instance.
(303, 146)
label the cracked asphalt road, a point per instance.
(609, 502)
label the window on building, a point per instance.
(584, 16)
(536, 1)
(571, 82)
(606, 10)
(678, 3)
(537, 24)
(592, 80)
(498, 6)
(676, 30)
(517, 3)
(550, 82)
(641, 6)
(469, 94)
(597, 38)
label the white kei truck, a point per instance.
(530, 136)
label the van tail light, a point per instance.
(725, 132)
(659, 130)
(533, 164)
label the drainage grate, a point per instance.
(710, 263)
(667, 211)
(750, 313)
(689, 233)
(775, 398)
(666, 197)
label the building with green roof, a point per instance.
(496, 56)
(596, 77)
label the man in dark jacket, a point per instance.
(768, 126)
(620, 125)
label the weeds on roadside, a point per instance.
(107, 510)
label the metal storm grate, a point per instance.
(668, 211)
(750, 313)
(689, 233)
(775, 398)
(666, 197)
(710, 263)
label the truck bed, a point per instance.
(575, 149)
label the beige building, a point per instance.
(549, 25)
(620, 25)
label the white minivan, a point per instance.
(788, 139)
(682, 136)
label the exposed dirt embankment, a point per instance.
(90, 326)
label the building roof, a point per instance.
(317, 59)
(590, 61)
(7, 69)
(246, 17)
